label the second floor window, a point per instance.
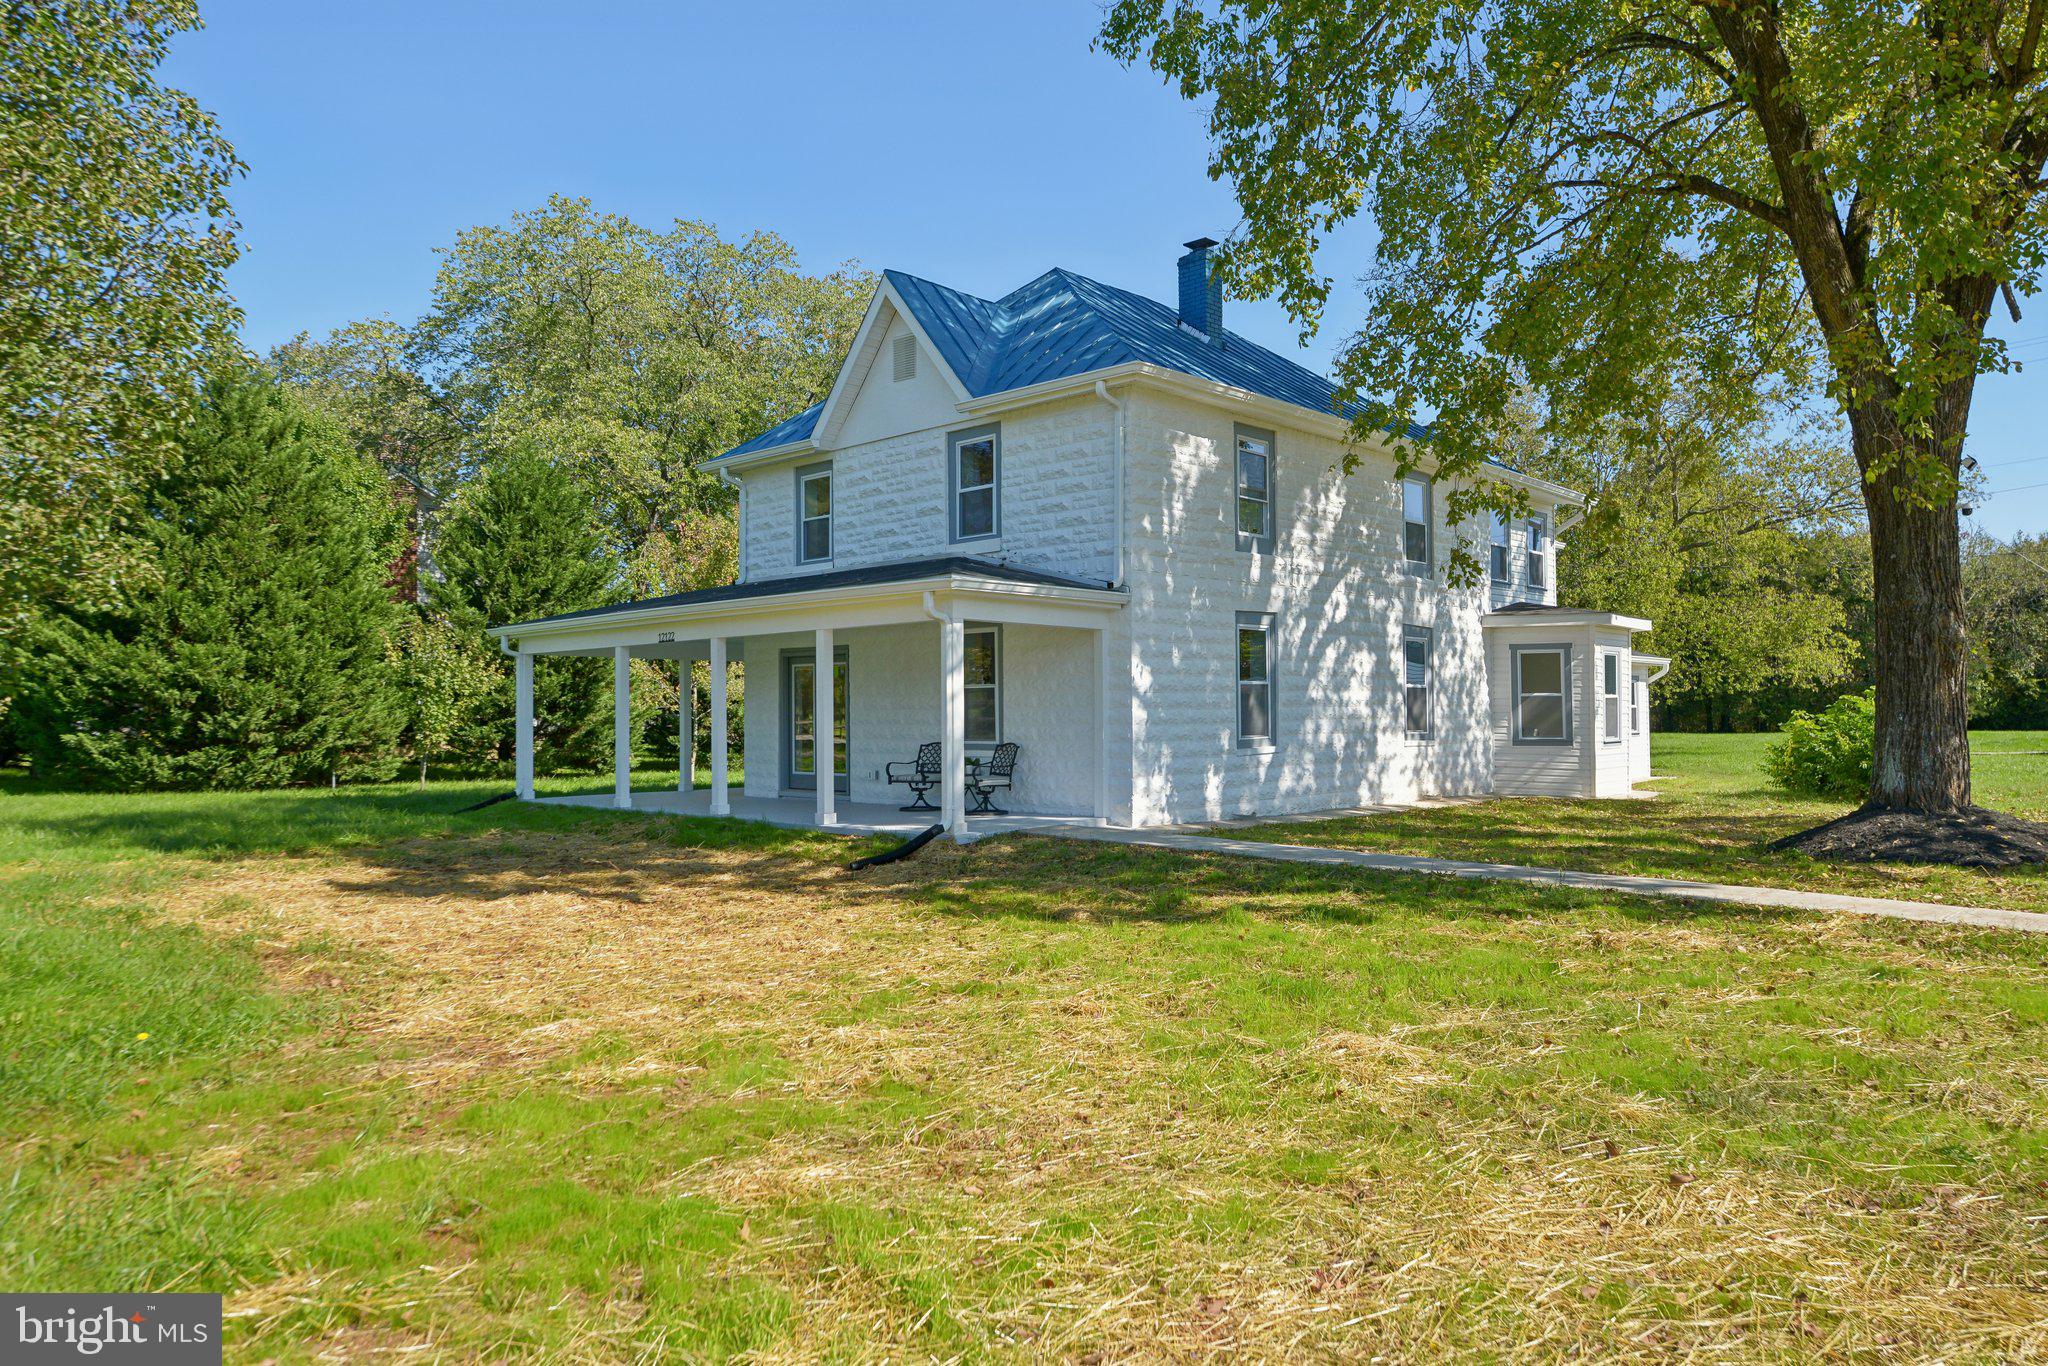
(1415, 510)
(1499, 549)
(1539, 555)
(814, 514)
(975, 458)
(1254, 489)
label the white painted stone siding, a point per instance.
(1048, 698)
(1335, 584)
(890, 498)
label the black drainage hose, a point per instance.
(903, 850)
(488, 801)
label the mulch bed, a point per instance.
(1971, 838)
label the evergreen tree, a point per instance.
(523, 541)
(255, 649)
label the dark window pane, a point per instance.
(1500, 564)
(981, 658)
(981, 715)
(1418, 661)
(1542, 718)
(801, 695)
(1611, 673)
(1251, 516)
(978, 512)
(1251, 655)
(818, 496)
(817, 540)
(801, 758)
(1415, 542)
(1254, 711)
(1418, 711)
(1251, 470)
(977, 463)
(1543, 673)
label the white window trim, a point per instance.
(1564, 681)
(1425, 566)
(804, 475)
(1611, 732)
(1263, 540)
(1535, 560)
(992, 433)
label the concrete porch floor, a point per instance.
(855, 818)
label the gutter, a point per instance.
(1116, 475)
(770, 605)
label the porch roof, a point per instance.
(876, 594)
(1542, 614)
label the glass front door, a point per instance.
(800, 762)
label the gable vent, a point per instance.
(906, 358)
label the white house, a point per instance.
(1120, 537)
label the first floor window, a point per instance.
(814, 513)
(1499, 549)
(1542, 710)
(1610, 695)
(1538, 555)
(984, 688)
(1254, 490)
(1638, 697)
(1416, 681)
(1254, 680)
(976, 462)
(1415, 511)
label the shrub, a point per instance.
(1827, 753)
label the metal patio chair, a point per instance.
(920, 775)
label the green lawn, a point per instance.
(1713, 815)
(574, 1085)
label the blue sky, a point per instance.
(973, 144)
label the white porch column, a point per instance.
(522, 725)
(826, 728)
(721, 797)
(622, 728)
(953, 727)
(686, 727)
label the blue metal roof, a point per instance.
(1064, 325)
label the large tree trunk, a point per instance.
(1922, 760)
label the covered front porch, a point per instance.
(978, 662)
(854, 818)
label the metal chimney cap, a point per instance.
(1199, 243)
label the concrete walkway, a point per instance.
(2029, 922)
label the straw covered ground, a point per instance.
(565, 1085)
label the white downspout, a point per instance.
(1662, 669)
(1116, 477)
(725, 477)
